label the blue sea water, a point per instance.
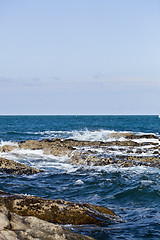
(133, 193)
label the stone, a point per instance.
(14, 227)
(12, 167)
(57, 211)
(87, 152)
(8, 148)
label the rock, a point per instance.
(148, 136)
(31, 144)
(117, 135)
(55, 147)
(4, 221)
(14, 227)
(57, 211)
(99, 153)
(8, 148)
(10, 166)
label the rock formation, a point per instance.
(134, 150)
(29, 217)
(15, 227)
(10, 166)
(57, 211)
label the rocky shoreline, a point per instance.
(125, 150)
(30, 217)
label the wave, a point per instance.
(86, 135)
(2, 143)
(93, 135)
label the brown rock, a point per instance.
(57, 211)
(14, 227)
(31, 144)
(8, 148)
(10, 166)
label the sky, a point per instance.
(79, 57)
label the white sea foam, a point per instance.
(36, 158)
(147, 140)
(87, 135)
(2, 143)
(146, 182)
(82, 135)
(17, 154)
(91, 135)
(129, 170)
(79, 182)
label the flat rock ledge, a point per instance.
(57, 211)
(12, 167)
(15, 227)
(29, 217)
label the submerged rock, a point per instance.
(57, 211)
(14, 227)
(10, 166)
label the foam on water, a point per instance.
(2, 143)
(97, 135)
(81, 135)
(36, 158)
(146, 140)
(129, 170)
(91, 135)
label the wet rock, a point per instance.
(95, 152)
(124, 143)
(8, 148)
(57, 211)
(148, 136)
(10, 166)
(60, 147)
(14, 227)
(55, 147)
(117, 135)
(139, 161)
(31, 144)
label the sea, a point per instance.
(131, 192)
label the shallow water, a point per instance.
(133, 193)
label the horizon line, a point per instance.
(118, 114)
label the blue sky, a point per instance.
(80, 57)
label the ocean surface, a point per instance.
(131, 192)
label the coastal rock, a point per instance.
(118, 135)
(101, 153)
(14, 227)
(10, 166)
(8, 148)
(57, 211)
(55, 147)
(122, 161)
(65, 146)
